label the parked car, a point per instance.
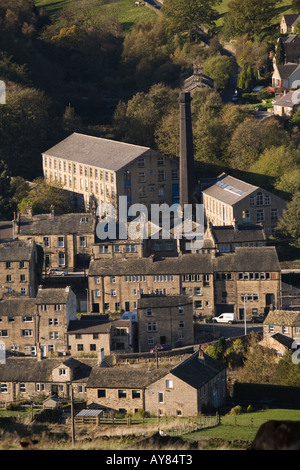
(161, 347)
(225, 318)
(260, 107)
(56, 272)
(258, 318)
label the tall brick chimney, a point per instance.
(186, 164)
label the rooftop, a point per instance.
(16, 250)
(244, 259)
(229, 189)
(96, 151)
(47, 224)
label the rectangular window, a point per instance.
(60, 242)
(101, 393)
(82, 242)
(260, 215)
(122, 394)
(46, 241)
(169, 383)
(160, 397)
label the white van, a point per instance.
(225, 318)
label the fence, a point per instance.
(188, 425)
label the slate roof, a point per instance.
(152, 301)
(243, 233)
(249, 259)
(189, 263)
(283, 317)
(284, 340)
(229, 189)
(6, 230)
(16, 250)
(27, 369)
(286, 70)
(45, 224)
(96, 151)
(291, 18)
(124, 378)
(17, 306)
(197, 372)
(88, 327)
(288, 100)
(244, 259)
(53, 295)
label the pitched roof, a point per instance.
(6, 230)
(17, 306)
(283, 317)
(52, 295)
(152, 301)
(189, 263)
(16, 250)
(249, 259)
(229, 189)
(96, 151)
(27, 369)
(286, 70)
(289, 99)
(124, 378)
(244, 259)
(291, 18)
(89, 327)
(46, 224)
(197, 372)
(242, 233)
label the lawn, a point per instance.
(98, 11)
(242, 427)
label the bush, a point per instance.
(237, 410)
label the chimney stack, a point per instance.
(186, 183)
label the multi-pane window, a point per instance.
(260, 215)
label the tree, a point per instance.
(249, 17)
(219, 68)
(279, 57)
(289, 223)
(6, 192)
(187, 17)
(42, 196)
(251, 138)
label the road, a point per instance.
(235, 330)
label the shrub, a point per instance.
(237, 410)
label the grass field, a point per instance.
(98, 11)
(242, 427)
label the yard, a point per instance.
(241, 427)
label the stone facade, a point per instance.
(98, 171)
(216, 283)
(90, 336)
(231, 201)
(18, 268)
(285, 322)
(67, 239)
(165, 320)
(37, 326)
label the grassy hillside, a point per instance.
(97, 11)
(285, 7)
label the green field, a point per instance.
(242, 427)
(98, 11)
